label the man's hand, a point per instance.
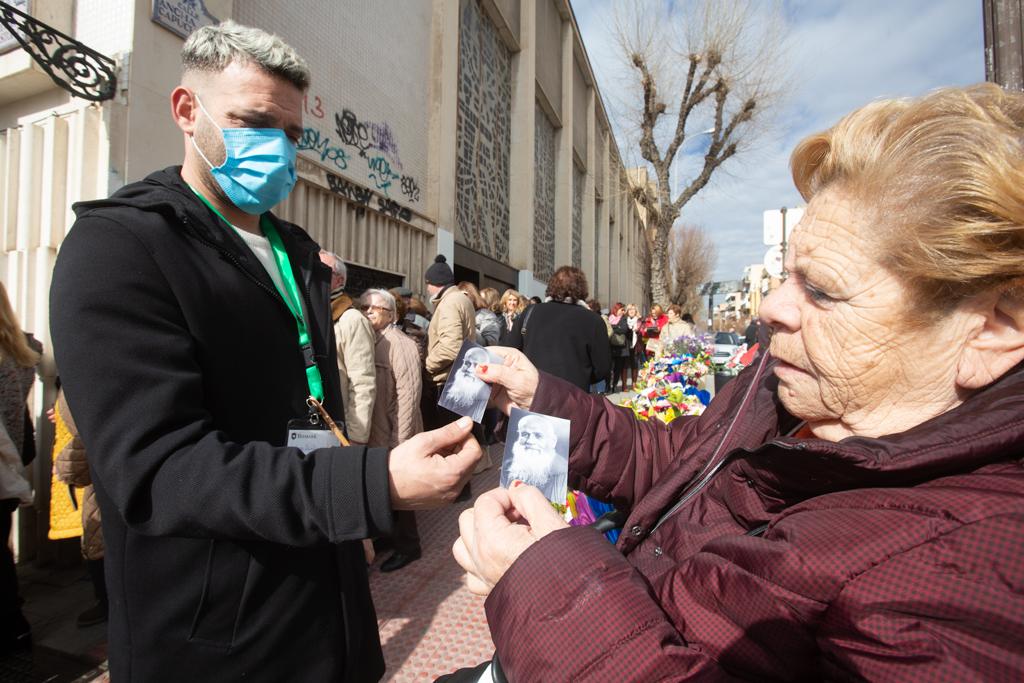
(431, 468)
(499, 528)
(513, 383)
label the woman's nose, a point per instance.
(781, 308)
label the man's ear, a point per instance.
(184, 109)
(997, 344)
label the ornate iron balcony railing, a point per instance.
(73, 66)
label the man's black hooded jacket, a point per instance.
(229, 555)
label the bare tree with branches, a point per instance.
(691, 255)
(706, 65)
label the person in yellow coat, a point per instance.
(71, 473)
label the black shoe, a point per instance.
(96, 614)
(399, 560)
(16, 637)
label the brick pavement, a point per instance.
(430, 624)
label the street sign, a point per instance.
(773, 261)
(793, 216)
(729, 286)
(772, 227)
(778, 229)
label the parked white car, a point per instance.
(726, 344)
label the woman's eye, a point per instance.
(817, 295)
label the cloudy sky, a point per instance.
(840, 54)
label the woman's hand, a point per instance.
(514, 383)
(498, 529)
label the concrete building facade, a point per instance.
(471, 128)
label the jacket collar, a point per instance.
(987, 428)
(443, 293)
(339, 305)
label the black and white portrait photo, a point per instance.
(537, 453)
(464, 393)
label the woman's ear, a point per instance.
(997, 344)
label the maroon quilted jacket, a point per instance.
(754, 555)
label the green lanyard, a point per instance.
(291, 297)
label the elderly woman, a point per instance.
(852, 505)
(396, 410)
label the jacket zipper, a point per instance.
(712, 468)
(758, 530)
(231, 257)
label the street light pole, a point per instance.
(783, 212)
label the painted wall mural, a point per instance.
(578, 183)
(543, 196)
(483, 136)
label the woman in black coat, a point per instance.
(562, 336)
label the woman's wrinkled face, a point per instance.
(851, 364)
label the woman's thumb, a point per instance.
(535, 508)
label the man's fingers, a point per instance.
(467, 454)
(438, 440)
(531, 503)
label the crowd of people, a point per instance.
(850, 507)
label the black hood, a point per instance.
(166, 193)
(161, 191)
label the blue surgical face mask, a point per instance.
(259, 166)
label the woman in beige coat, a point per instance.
(396, 410)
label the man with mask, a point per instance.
(192, 327)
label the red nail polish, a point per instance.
(516, 483)
(483, 369)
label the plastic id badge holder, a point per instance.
(310, 433)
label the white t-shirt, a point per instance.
(260, 246)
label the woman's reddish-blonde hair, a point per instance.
(941, 179)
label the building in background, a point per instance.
(471, 128)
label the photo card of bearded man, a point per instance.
(465, 393)
(537, 453)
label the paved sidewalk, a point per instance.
(430, 624)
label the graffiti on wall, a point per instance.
(363, 196)
(578, 178)
(312, 141)
(543, 196)
(371, 142)
(483, 135)
(367, 136)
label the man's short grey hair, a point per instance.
(338, 266)
(389, 300)
(212, 48)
